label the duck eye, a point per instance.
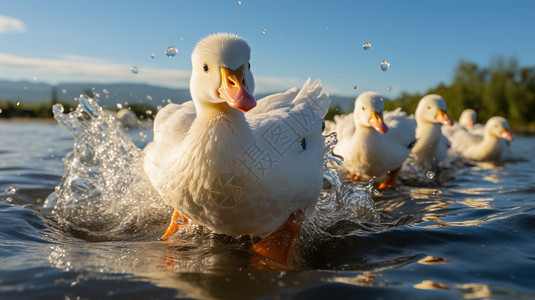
(429, 107)
(249, 66)
(363, 108)
(205, 67)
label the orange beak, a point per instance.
(506, 135)
(377, 122)
(234, 89)
(443, 118)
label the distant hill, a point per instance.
(110, 94)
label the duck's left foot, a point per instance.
(279, 245)
(177, 221)
(390, 180)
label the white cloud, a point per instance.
(11, 25)
(74, 68)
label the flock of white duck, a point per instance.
(239, 166)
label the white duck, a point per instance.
(373, 146)
(431, 146)
(468, 118)
(467, 122)
(239, 174)
(492, 146)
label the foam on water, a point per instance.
(105, 195)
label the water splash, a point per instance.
(104, 194)
(366, 46)
(134, 69)
(331, 161)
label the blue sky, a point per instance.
(98, 41)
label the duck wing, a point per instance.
(301, 112)
(400, 127)
(461, 139)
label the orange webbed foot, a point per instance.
(177, 222)
(279, 245)
(390, 180)
(354, 177)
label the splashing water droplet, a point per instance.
(355, 87)
(264, 31)
(152, 55)
(119, 105)
(57, 108)
(64, 91)
(0, 110)
(389, 88)
(331, 161)
(171, 51)
(105, 91)
(435, 192)
(430, 175)
(149, 97)
(134, 69)
(239, 2)
(385, 65)
(366, 46)
(11, 190)
(18, 103)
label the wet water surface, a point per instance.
(93, 233)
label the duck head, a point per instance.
(498, 127)
(432, 109)
(468, 118)
(221, 74)
(369, 108)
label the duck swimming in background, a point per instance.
(431, 146)
(373, 143)
(234, 165)
(467, 122)
(492, 146)
(468, 118)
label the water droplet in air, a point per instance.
(18, 103)
(64, 91)
(119, 105)
(152, 55)
(171, 51)
(385, 65)
(264, 31)
(134, 69)
(366, 46)
(355, 87)
(57, 109)
(11, 190)
(389, 88)
(105, 91)
(0, 110)
(239, 2)
(149, 97)
(430, 175)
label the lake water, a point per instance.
(468, 233)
